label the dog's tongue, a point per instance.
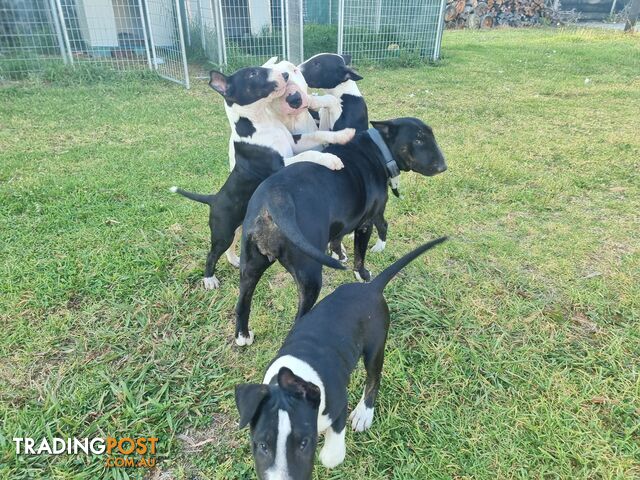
(287, 109)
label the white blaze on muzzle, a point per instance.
(280, 470)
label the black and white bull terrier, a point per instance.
(292, 109)
(294, 213)
(261, 145)
(334, 74)
(304, 391)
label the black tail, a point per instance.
(284, 216)
(391, 271)
(198, 197)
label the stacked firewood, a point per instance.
(491, 13)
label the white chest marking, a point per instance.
(305, 371)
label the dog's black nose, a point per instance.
(285, 75)
(294, 100)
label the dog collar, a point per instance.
(390, 164)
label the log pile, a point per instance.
(491, 13)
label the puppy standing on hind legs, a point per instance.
(304, 390)
(261, 145)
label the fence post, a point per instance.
(144, 32)
(53, 17)
(219, 23)
(436, 49)
(181, 41)
(284, 33)
(151, 42)
(65, 35)
(340, 26)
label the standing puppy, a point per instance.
(304, 391)
(294, 213)
(332, 73)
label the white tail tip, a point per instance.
(173, 189)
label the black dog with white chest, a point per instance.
(291, 222)
(304, 391)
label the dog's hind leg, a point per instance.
(337, 250)
(362, 416)
(232, 258)
(308, 276)
(382, 226)
(252, 265)
(221, 238)
(360, 245)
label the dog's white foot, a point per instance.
(345, 135)
(343, 255)
(360, 278)
(233, 259)
(334, 449)
(243, 341)
(211, 283)
(332, 162)
(379, 246)
(362, 417)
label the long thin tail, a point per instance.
(283, 213)
(391, 271)
(198, 197)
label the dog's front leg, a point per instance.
(308, 141)
(328, 107)
(360, 244)
(329, 160)
(334, 448)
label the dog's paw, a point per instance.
(345, 135)
(243, 341)
(363, 276)
(379, 246)
(362, 417)
(332, 162)
(332, 454)
(233, 259)
(211, 283)
(343, 254)
(334, 449)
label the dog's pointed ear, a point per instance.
(347, 58)
(219, 82)
(298, 387)
(249, 396)
(386, 128)
(270, 62)
(351, 74)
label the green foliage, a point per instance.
(513, 350)
(319, 39)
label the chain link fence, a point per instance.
(36, 35)
(403, 31)
(159, 34)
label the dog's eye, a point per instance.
(418, 142)
(304, 443)
(253, 74)
(263, 447)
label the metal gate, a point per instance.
(238, 33)
(117, 34)
(390, 30)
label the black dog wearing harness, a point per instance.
(296, 212)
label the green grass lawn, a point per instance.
(514, 349)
